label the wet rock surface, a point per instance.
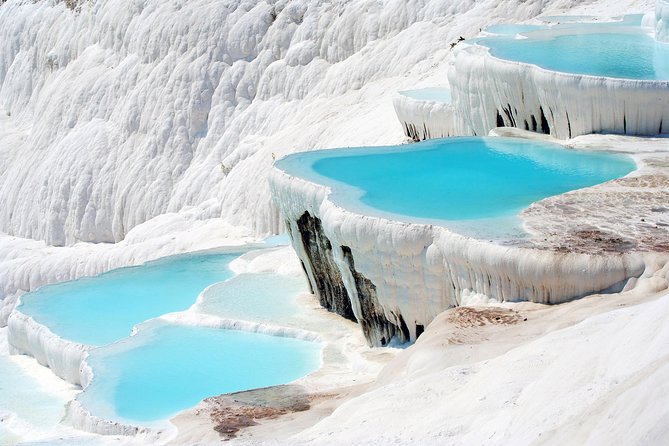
(377, 329)
(324, 276)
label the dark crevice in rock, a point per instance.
(527, 125)
(376, 328)
(545, 128)
(328, 286)
(403, 326)
(624, 124)
(419, 330)
(660, 131)
(500, 120)
(534, 123)
(507, 112)
(568, 124)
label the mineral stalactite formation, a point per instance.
(324, 276)
(489, 92)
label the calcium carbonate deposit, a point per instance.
(132, 130)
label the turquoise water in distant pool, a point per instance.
(168, 368)
(621, 49)
(437, 94)
(453, 179)
(103, 309)
(625, 55)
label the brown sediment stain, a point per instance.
(595, 241)
(465, 317)
(629, 214)
(231, 413)
(468, 322)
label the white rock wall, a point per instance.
(489, 92)
(63, 357)
(126, 110)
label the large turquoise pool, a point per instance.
(166, 368)
(102, 309)
(615, 49)
(453, 179)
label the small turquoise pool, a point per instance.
(453, 179)
(614, 49)
(436, 94)
(167, 368)
(103, 309)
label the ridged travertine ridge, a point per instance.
(63, 357)
(423, 119)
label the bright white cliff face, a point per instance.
(124, 111)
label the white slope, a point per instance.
(601, 381)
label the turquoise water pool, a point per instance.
(437, 94)
(102, 309)
(614, 49)
(167, 368)
(453, 179)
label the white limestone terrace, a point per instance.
(88, 133)
(396, 277)
(490, 91)
(425, 113)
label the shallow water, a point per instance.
(591, 49)
(264, 297)
(103, 309)
(436, 94)
(24, 404)
(454, 179)
(167, 368)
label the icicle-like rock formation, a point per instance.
(662, 21)
(489, 92)
(424, 119)
(396, 277)
(63, 357)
